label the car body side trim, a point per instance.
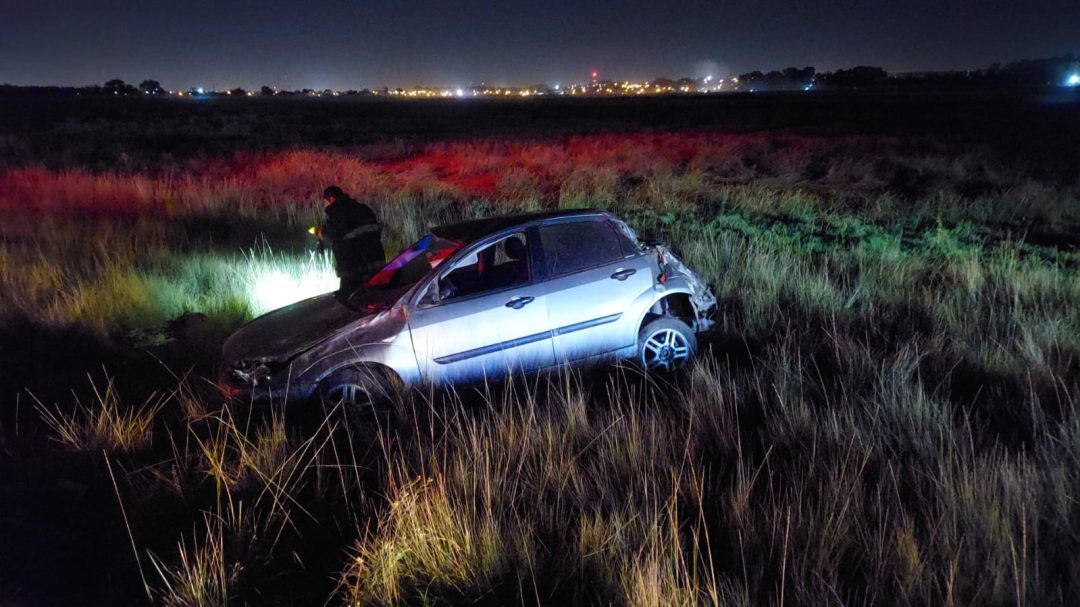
(528, 339)
(588, 324)
(503, 345)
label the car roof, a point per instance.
(469, 231)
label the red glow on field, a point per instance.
(542, 173)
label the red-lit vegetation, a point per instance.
(539, 173)
(861, 174)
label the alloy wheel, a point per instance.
(349, 394)
(666, 349)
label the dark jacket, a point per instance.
(352, 231)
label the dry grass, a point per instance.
(184, 246)
(661, 171)
(739, 485)
(886, 414)
(201, 576)
(106, 424)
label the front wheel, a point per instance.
(363, 394)
(666, 344)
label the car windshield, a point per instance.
(414, 263)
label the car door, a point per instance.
(594, 279)
(484, 316)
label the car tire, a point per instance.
(363, 394)
(666, 345)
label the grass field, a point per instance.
(886, 412)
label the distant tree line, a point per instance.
(1029, 73)
(791, 78)
(152, 88)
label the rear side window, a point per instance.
(569, 247)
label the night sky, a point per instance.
(354, 44)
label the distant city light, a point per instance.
(708, 84)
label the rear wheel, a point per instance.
(666, 345)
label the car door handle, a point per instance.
(624, 274)
(518, 303)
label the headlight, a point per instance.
(251, 372)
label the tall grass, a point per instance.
(136, 289)
(106, 423)
(885, 414)
(181, 246)
(741, 484)
(201, 576)
(878, 177)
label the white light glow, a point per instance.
(1074, 80)
(278, 282)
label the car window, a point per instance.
(500, 265)
(569, 247)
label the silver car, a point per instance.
(479, 300)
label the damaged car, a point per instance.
(476, 301)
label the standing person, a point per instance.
(353, 234)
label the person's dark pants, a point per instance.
(351, 282)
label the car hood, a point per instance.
(286, 332)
